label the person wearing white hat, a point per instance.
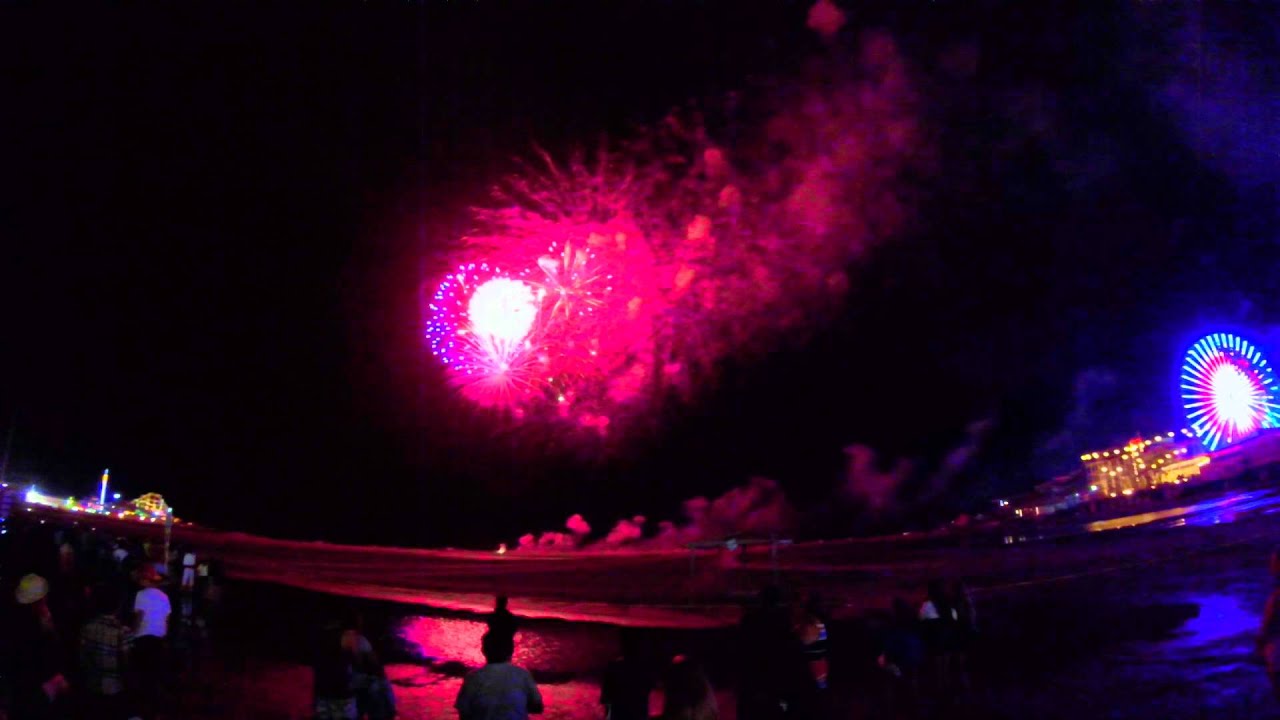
(32, 589)
(36, 675)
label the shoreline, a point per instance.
(705, 590)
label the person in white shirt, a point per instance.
(188, 571)
(499, 690)
(151, 624)
(151, 607)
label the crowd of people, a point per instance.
(784, 666)
(103, 627)
(783, 671)
(97, 626)
(926, 650)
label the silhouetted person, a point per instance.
(501, 621)
(773, 674)
(375, 699)
(687, 694)
(627, 682)
(332, 666)
(902, 654)
(939, 624)
(213, 597)
(68, 596)
(103, 650)
(499, 690)
(811, 629)
(966, 634)
(1269, 638)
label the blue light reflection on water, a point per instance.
(1208, 660)
(1221, 617)
(1218, 648)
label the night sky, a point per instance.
(216, 221)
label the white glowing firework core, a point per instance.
(502, 310)
(1236, 398)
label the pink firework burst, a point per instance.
(650, 264)
(576, 228)
(483, 325)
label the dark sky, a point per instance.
(215, 221)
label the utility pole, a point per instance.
(168, 531)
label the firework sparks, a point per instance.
(481, 326)
(575, 282)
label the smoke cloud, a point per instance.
(628, 530)
(957, 459)
(878, 490)
(578, 526)
(756, 508)
(1096, 400)
(870, 494)
(868, 484)
(578, 530)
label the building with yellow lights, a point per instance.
(152, 503)
(1144, 463)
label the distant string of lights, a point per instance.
(1133, 448)
(134, 510)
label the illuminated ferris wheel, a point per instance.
(1228, 390)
